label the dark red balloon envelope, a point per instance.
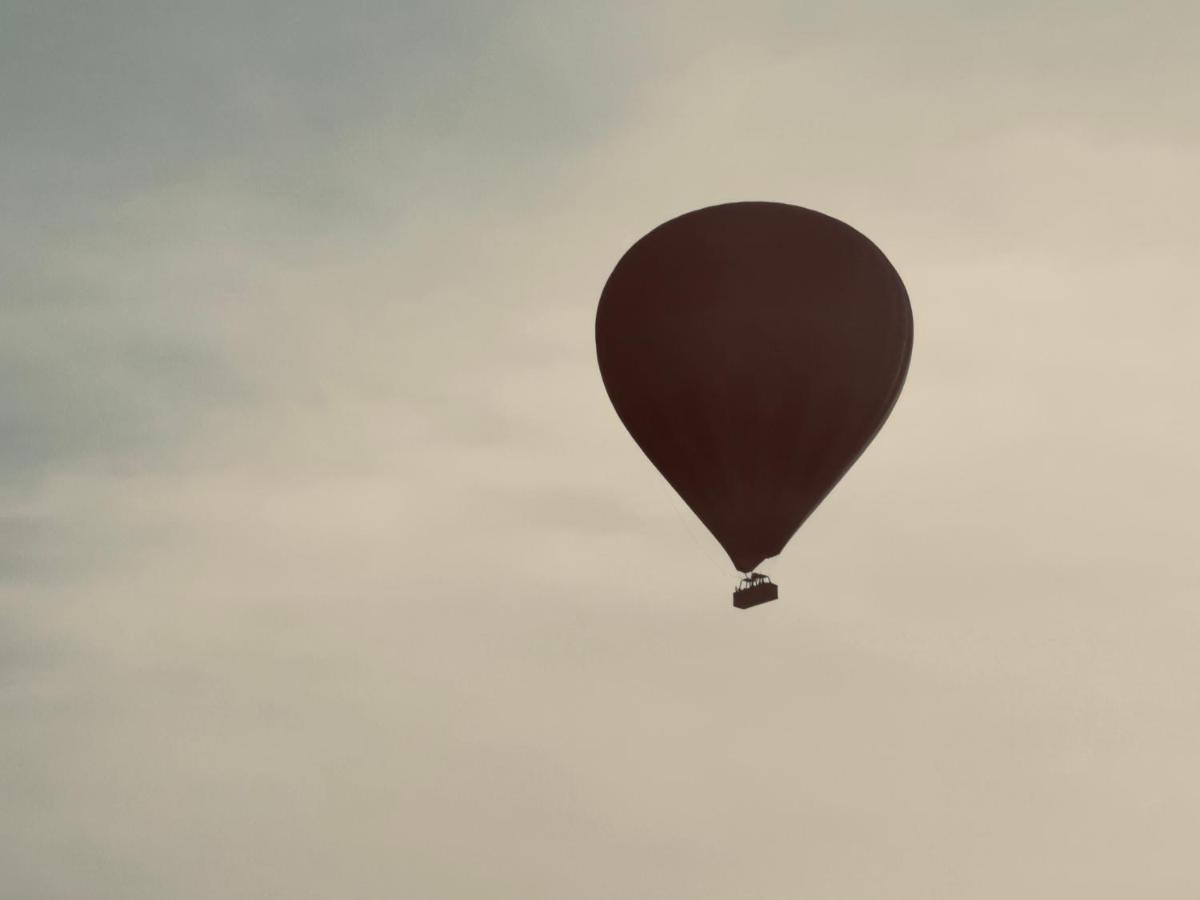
(753, 350)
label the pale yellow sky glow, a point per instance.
(327, 570)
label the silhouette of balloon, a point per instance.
(753, 350)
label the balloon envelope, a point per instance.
(753, 350)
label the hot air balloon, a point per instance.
(753, 351)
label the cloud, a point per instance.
(327, 570)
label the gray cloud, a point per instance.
(327, 570)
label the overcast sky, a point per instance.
(327, 570)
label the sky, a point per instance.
(327, 570)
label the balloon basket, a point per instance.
(754, 590)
